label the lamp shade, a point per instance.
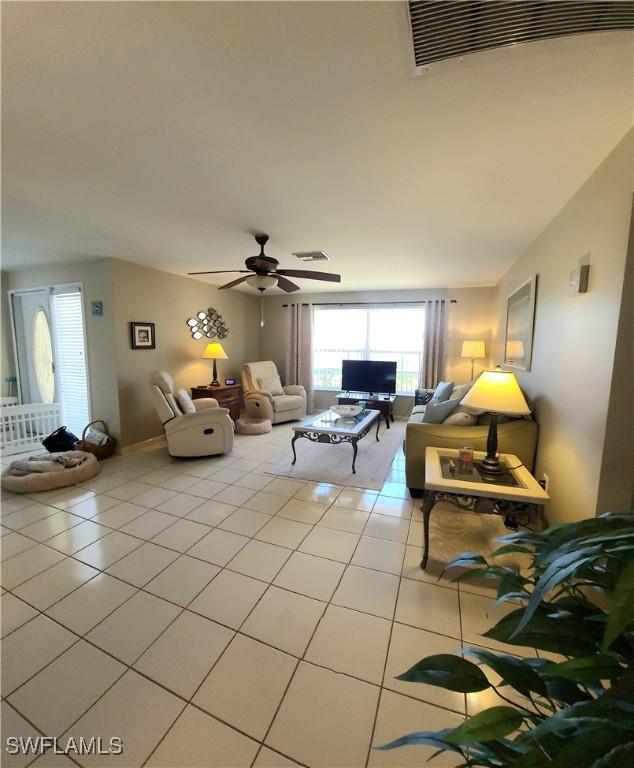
(473, 349)
(498, 392)
(214, 351)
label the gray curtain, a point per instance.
(433, 358)
(299, 351)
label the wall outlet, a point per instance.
(545, 482)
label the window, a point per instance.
(43, 357)
(368, 333)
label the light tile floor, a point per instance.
(211, 614)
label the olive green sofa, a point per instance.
(516, 436)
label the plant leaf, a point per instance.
(427, 738)
(622, 600)
(447, 671)
(617, 757)
(487, 725)
(516, 672)
(597, 667)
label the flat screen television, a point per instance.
(372, 376)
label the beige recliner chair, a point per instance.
(266, 398)
(192, 427)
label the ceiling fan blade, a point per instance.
(233, 283)
(220, 271)
(285, 284)
(310, 275)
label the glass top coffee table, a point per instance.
(330, 428)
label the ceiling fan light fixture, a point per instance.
(262, 282)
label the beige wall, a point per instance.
(96, 279)
(470, 317)
(150, 295)
(7, 358)
(575, 335)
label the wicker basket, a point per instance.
(102, 451)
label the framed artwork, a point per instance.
(520, 318)
(142, 336)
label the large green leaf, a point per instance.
(559, 570)
(571, 637)
(586, 749)
(487, 725)
(423, 738)
(618, 757)
(622, 599)
(447, 671)
(587, 668)
(516, 672)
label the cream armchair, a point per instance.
(264, 400)
(192, 427)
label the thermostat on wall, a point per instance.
(579, 279)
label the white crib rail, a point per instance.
(23, 427)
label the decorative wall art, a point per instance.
(207, 324)
(142, 336)
(520, 318)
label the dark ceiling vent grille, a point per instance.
(445, 29)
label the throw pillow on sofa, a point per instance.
(442, 392)
(436, 413)
(271, 384)
(461, 418)
(460, 391)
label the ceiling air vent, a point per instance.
(444, 29)
(312, 256)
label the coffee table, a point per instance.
(516, 495)
(330, 428)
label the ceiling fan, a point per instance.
(262, 272)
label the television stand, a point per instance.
(377, 402)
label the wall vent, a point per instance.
(444, 29)
(312, 256)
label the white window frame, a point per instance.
(368, 309)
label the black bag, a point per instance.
(60, 440)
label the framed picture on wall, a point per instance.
(142, 336)
(520, 318)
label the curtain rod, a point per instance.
(367, 303)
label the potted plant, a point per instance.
(576, 601)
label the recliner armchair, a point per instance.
(192, 427)
(287, 405)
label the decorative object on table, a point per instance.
(473, 350)
(498, 393)
(572, 706)
(192, 427)
(227, 396)
(382, 403)
(97, 441)
(46, 473)
(520, 318)
(214, 351)
(247, 426)
(62, 439)
(347, 411)
(514, 493)
(207, 323)
(96, 308)
(230, 382)
(142, 336)
(465, 455)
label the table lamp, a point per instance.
(499, 393)
(473, 349)
(214, 351)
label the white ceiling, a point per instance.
(163, 133)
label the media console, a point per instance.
(377, 402)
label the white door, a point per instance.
(51, 351)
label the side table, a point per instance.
(516, 495)
(228, 396)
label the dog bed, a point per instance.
(48, 481)
(246, 426)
